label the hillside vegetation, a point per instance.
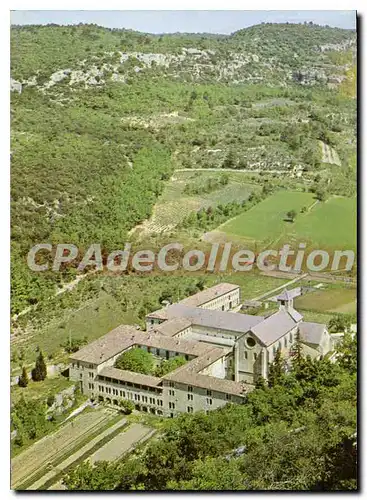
(101, 119)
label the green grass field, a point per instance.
(334, 300)
(267, 220)
(330, 224)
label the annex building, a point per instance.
(225, 352)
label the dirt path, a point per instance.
(291, 282)
(245, 170)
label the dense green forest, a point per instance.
(298, 432)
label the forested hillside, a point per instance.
(101, 118)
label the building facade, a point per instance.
(225, 353)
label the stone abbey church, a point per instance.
(225, 352)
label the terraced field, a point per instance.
(47, 453)
(174, 205)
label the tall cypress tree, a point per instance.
(23, 379)
(39, 372)
(276, 369)
(296, 352)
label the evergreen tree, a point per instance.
(276, 369)
(23, 379)
(39, 372)
(296, 352)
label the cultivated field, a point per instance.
(330, 224)
(49, 451)
(174, 205)
(268, 220)
(341, 300)
(122, 443)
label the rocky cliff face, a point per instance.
(258, 54)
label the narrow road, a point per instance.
(245, 170)
(271, 292)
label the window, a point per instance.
(208, 393)
(171, 384)
(245, 354)
(228, 397)
(274, 350)
(189, 388)
(285, 342)
(209, 401)
(190, 397)
(171, 406)
(152, 401)
(171, 392)
(190, 409)
(291, 337)
(158, 352)
(255, 356)
(279, 345)
(81, 375)
(250, 342)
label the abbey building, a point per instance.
(225, 351)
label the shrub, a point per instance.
(127, 406)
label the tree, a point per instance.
(229, 161)
(276, 369)
(169, 365)
(321, 194)
(39, 372)
(23, 379)
(101, 476)
(291, 215)
(339, 323)
(347, 351)
(136, 360)
(296, 352)
(127, 406)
